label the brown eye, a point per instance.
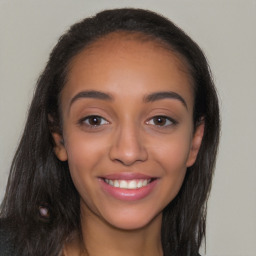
(161, 121)
(95, 121)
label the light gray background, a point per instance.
(226, 30)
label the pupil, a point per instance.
(159, 121)
(94, 121)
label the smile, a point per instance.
(128, 184)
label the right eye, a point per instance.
(94, 121)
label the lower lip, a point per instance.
(128, 194)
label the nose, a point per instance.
(127, 147)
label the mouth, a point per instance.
(128, 184)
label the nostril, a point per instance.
(127, 146)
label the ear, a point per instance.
(59, 148)
(196, 143)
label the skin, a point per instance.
(126, 139)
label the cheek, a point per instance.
(173, 161)
(87, 155)
(82, 158)
(83, 151)
(172, 158)
(172, 153)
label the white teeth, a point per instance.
(144, 183)
(123, 184)
(139, 185)
(116, 184)
(132, 184)
(128, 184)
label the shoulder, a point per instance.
(6, 246)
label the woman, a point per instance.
(119, 148)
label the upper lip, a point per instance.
(126, 176)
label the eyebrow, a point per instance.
(91, 95)
(165, 95)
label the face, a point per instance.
(128, 132)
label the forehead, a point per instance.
(128, 61)
(122, 42)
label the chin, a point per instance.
(133, 221)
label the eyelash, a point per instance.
(168, 121)
(86, 121)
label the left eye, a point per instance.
(161, 121)
(94, 120)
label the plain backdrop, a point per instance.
(226, 31)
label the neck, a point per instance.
(100, 238)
